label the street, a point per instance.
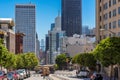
(35, 76)
(59, 75)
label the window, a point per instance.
(100, 18)
(114, 12)
(110, 14)
(109, 35)
(110, 25)
(105, 6)
(100, 9)
(118, 10)
(114, 24)
(105, 26)
(114, 2)
(105, 16)
(118, 33)
(104, 36)
(119, 23)
(100, 37)
(109, 3)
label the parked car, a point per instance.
(39, 71)
(16, 75)
(21, 74)
(24, 72)
(83, 75)
(10, 76)
(2, 75)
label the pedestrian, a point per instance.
(98, 77)
(93, 77)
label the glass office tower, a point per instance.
(26, 23)
(71, 17)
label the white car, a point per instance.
(21, 74)
(83, 75)
(24, 72)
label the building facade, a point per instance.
(107, 19)
(7, 33)
(77, 44)
(108, 23)
(25, 18)
(19, 43)
(71, 17)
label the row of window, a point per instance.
(111, 2)
(111, 35)
(112, 25)
(111, 14)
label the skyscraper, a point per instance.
(71, 17)
(25, 23)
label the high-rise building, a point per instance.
(42, 45)
(71, 17)
(53, 41)
(107, 19)
(25, 18)
(85, 30)
(52, 26)
(37, 47)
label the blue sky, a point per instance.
(46, 11)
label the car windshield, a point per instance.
(20, 71)
(83, 73)
(1, 73)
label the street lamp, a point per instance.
(109, 31)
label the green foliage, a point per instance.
(19, 61)
(29, 60)
(108, 51)
(3, 54)
(86, 59)
(56, 66)
(1, 41)
(10, 62)
(61, 60)
(74, 59)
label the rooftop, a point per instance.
(7, 21)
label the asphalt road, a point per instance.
(35, 76)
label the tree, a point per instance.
(86, 60)
(19, 61)
(3, 54)
(61, 61)
(74, 59)
(29, 60)
(10, 61)
(108, 52)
